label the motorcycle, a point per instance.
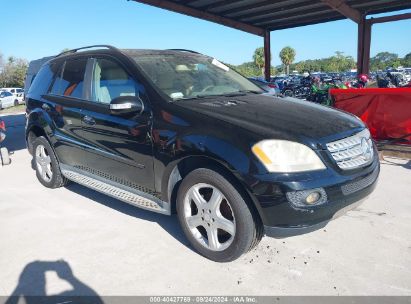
(298, 90)
(392, 80)
(4, 153)
(320, 91)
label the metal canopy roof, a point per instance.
(260, 16)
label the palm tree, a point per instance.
(258, 58)
(287, 56)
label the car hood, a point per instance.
(277, 117)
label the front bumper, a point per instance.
(345, 191)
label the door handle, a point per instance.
(89, 120)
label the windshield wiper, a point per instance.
(229, 94)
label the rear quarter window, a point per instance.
(42, 81)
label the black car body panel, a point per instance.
(145, 150)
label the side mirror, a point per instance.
(126, 104)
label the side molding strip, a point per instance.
(120, 192)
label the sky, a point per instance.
(34, 29)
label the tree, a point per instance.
(383, 60)
(287, 56)
(258, 59)
(406, 61)
(1, 63)
(248, 69)
(386, 56)
(13, 72)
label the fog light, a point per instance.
(312, 198)
(307, 198)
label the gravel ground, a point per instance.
(77, 240)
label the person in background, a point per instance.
(362, 81)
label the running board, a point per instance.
(115, 190)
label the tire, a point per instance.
(5, 158)
(16, 103)
(232, 214)
(288, 93)
(46, 164)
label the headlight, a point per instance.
(287, 156)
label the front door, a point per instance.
(119, 147)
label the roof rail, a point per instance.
(184, 50)
(88, 47)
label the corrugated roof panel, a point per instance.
(273, 15)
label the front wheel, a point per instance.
(215, 217)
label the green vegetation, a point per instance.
(287, 56)
(336, 63)
(386, 59)
(12, 72)
(259, 59)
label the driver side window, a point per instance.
(110, 80)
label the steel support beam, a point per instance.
(189, 11)
(343, 8)
(364, 45)
(267, 55)
(364, 39)
(390, 18)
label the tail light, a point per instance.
(272, 85)
(2, 125)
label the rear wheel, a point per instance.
(215, 217)
(46, 164)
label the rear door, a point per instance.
(64, 102)
(119, 147)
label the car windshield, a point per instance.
(188, 76)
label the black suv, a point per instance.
(176, 131)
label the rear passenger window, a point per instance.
(110, 80)
(71, 82)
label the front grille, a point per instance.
(352, 152)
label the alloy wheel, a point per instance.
(43, 163)
(209, 217)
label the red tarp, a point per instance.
(387, 112)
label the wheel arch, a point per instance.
(37, 125)
(177, 170)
